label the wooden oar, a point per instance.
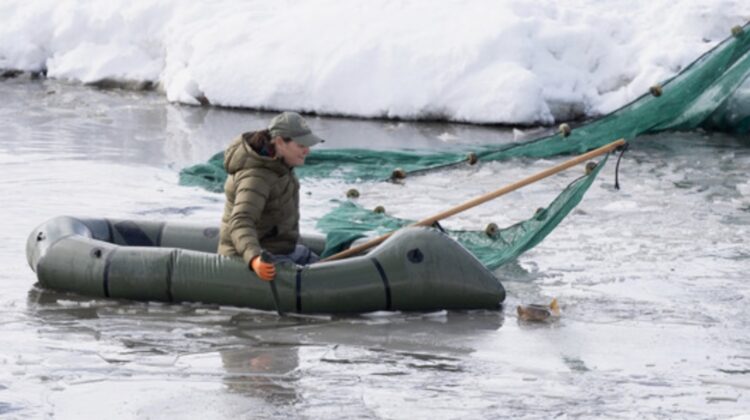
(484, 198)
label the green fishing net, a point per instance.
(700, 95)
(733, 116)
(493, 248)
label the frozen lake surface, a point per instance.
(652, 280)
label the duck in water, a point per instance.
(539, 312)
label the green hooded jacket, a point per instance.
(262, 206)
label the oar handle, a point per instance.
(484, 198)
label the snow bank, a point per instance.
(484, 61)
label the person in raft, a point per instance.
(262, 206)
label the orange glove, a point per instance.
(265, 270)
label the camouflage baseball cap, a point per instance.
(292, 125)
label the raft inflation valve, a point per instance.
(491, 230)
(590, 166)
(655, 90)
(415, 256)
(565, 130)
(379, 209)
(472, 158)
(352, 193)
(737, 31)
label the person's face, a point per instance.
(291, 152)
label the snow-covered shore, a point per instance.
(483, 61)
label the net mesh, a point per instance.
(701, 95)
(350, 221)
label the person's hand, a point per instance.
(265, 270)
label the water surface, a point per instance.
(651, 278)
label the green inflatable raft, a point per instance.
(416, 269)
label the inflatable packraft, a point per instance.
(416, 269)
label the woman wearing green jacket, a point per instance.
(262, 191)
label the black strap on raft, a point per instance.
(622, 150)
(438, 226)
(265, 256)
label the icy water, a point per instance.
(652, 280)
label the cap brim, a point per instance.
(308, 140)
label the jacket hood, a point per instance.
(239, 155)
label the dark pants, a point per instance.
(302, 255)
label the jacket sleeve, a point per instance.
(250, 199)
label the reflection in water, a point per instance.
(269, 372)
(259, 352)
